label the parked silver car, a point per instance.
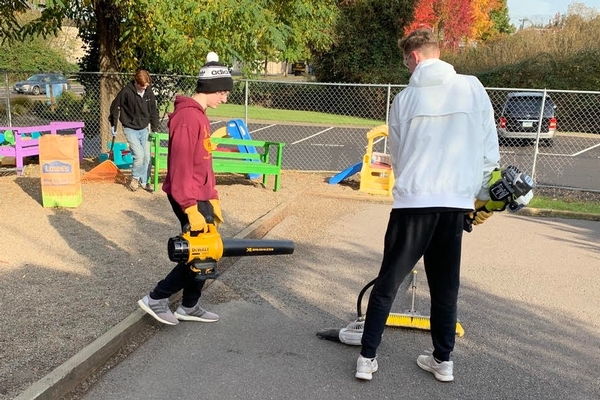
(520, 118)
(36, 84)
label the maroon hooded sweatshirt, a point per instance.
(190, 176)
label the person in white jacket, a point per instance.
(444, 147)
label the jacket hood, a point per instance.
(184, 102)
(432, 72)
(131, 86)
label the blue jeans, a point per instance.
(140, 151)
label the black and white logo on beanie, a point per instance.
(213, 76)
(213, 70)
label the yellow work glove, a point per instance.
(218, 214)
(197, 221)
(480, 216)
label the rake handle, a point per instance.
(110, 151)
(414, 288)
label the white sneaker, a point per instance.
(442, 371)
(365, 368)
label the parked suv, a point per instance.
(520, 117)
(36, 84)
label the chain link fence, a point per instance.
(324, 126)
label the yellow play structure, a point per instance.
(376, 176)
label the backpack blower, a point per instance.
(509, 188)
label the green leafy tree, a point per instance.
(311, 27)
(501, 21)
(173, 36)
(365, 46)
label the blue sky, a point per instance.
(540, 11)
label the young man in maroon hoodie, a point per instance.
(190, 187)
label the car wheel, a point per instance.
(35, 90)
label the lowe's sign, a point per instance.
(57, 167)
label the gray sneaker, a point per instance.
(195, 313)
(134, 184)
(159, 309)
(442, 371)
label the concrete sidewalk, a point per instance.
(529, 304)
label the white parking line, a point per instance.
(311, 136)
(264, 127)
(584, 150)
(570, 155)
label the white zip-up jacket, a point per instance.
(442, 138)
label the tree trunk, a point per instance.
(108, 18)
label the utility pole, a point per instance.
(523, 20)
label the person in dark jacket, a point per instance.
(135, 107)
(190, 186)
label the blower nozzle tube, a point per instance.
(256, 247)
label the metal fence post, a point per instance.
(387, 104)
(8, 110)
(246, 90)
(537, 139)
(387, 114)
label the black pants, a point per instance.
(181, 277)
(437, 237)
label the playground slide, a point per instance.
(340, 176)
(237, 129)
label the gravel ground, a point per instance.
(70, 274)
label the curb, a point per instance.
(66, 377)
(543, 212)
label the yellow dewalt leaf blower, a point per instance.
(202, 250)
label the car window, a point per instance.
(35, 78)
(528, 106)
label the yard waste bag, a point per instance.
(59, 171)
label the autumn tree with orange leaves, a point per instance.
(457, 21)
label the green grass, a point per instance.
(260, 113)
(557, 204)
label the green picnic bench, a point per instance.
(226, 161)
